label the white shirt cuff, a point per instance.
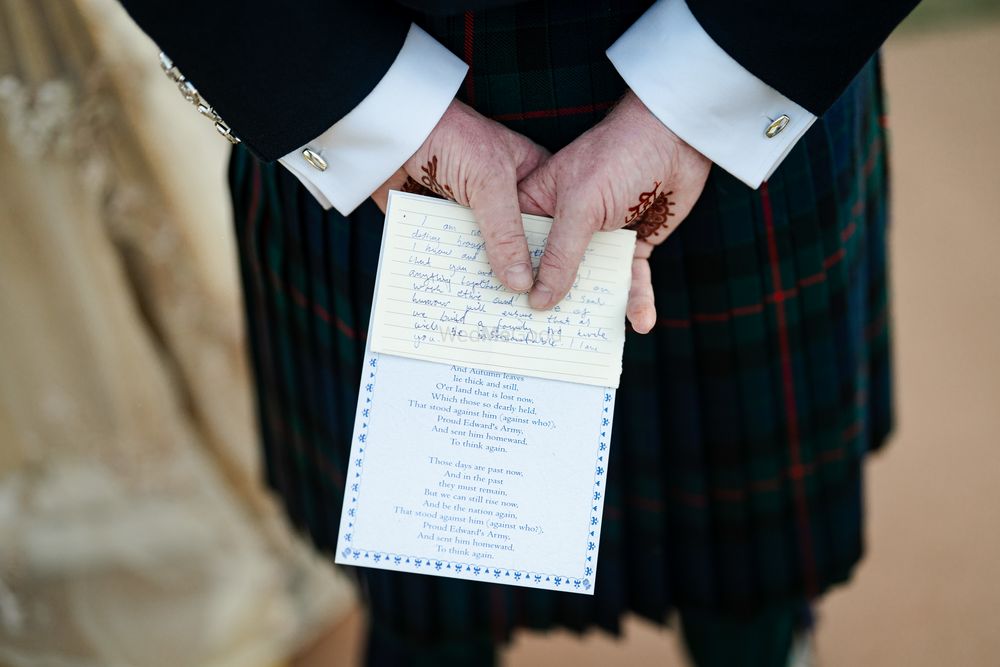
(375, 138)
(704, 96)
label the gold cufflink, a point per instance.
(315, 159)
(779, 123)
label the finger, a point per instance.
(495, 207)
(530, 205)
(528, 156)
(571, 232)
(536, 192)
(641, 310)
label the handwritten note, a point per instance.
(438, 300)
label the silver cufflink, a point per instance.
(315, 159)
(776, 126)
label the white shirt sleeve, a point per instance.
(376, 137)
(704, 96)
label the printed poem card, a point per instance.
(482, 434)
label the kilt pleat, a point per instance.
(742, 421)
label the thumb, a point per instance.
(536, 193)
(641, 310)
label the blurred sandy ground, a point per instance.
(928, 593)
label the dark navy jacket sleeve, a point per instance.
(279, 73)
(282, 73)
(808, 50)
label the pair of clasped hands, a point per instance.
(628, 170)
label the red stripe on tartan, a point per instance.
(302, 301)
(833, 259)
(796, 471)
(554, 113)
(297, 296)
(726, 316)
(648, 504)
(781, 296)
(470, 86)
(756, 308)
(851, 431)
(711, 317)
(814, 279)
(256, 190)
(773, 483)
(873, 156)
(748, 310)
(848, 232)
(793, 472)
(686, 497)
(832, 455)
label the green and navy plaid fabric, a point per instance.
(742, 420)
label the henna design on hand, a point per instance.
(655, 218)
(430, 180)
(410, 185)
(646, 200)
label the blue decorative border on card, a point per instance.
(600, 470)
(357, 465)
(519, 577)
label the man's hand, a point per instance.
(478, 162)
(397, 181)
(627, 170)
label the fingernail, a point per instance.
(643, 323)
(540, 296)
(519, 277)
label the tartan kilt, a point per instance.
(742, 420)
